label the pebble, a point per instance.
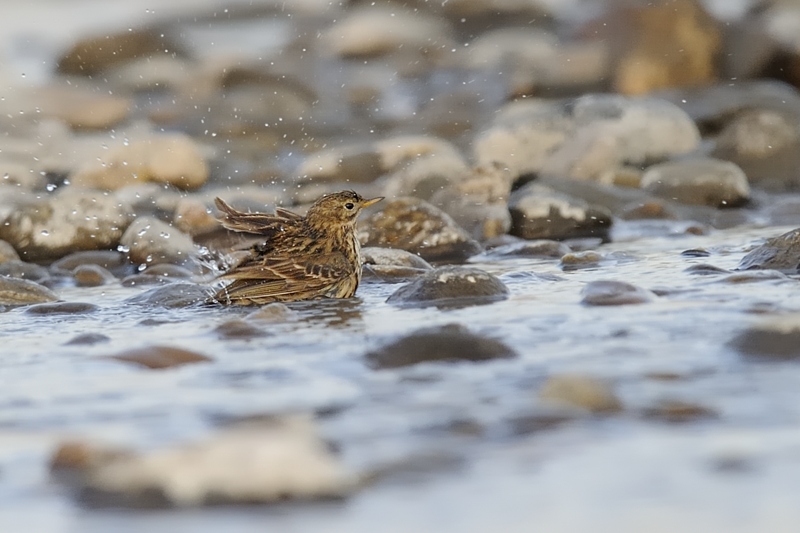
(451, 286)
(418, 227)
(71, 220)
(609, 292)
(158, 357)
(765, 144)
(478, 200)
(173, 296)
(581, 391)
(391, 265)
(257, 463)
(150, 241)
(538, 212)
(169, 159)
(81, 109)
(675, 44)
(22, 270)
(709, 182)
(754, 276)
(7, 252)
(87, 339)
(15, 291)
(774, 339)
(92, 55)
(238, 329)
(377, 31)
(115, 262)
(541, 248)
(62, 308)
(92, 276)
(449, 343)
(678, 411)
(781, 253)
(271, 313)
(82, 456)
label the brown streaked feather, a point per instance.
(260, 223)
(275, 278)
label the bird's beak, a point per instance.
(372, 201)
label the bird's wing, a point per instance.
(260, 223)
(284, 278)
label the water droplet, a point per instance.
(45, 232)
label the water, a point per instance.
(624, 472)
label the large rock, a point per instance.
(450, 343)
(538, 212)
(92, 55)
(377, 31)
(173, 159)
(589, 138)
(451, 286)
(765, 143)
(418, 227)
(708, 182)
(74, 219)
(663, 44)
(258, 463)
(775, 339)
(150, 241)
(780, 253)
(534, 61)
(15, 291)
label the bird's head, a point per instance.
(339, 208)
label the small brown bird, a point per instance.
(303, 257)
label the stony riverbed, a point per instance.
(579, 300)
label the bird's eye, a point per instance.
(348, 206)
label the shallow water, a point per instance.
(626, 472)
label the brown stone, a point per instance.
(158, 357)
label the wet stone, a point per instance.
(765, 143)
(704, 269)
(418, 227)
(238, 329)
(780, 253)
(580, 391)
(285, 460)
(541, 248)
(754, 277)
(166, 270)
(7, 252)
(115, 262)
(696, 252)
(158, 357)
(92, 276)
(449, 343)
(390, 265)
(581, 260)
(451, 286)
(74, 219)
(87, 339)
(271, 313)
(609, 292)
(775, 339)
(62, 308)
(538, 212)
(709, 182)
(678, 411)
(15, 291)
(173, 296)
(22, 270)
(150, 241)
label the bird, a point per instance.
(301, 258)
